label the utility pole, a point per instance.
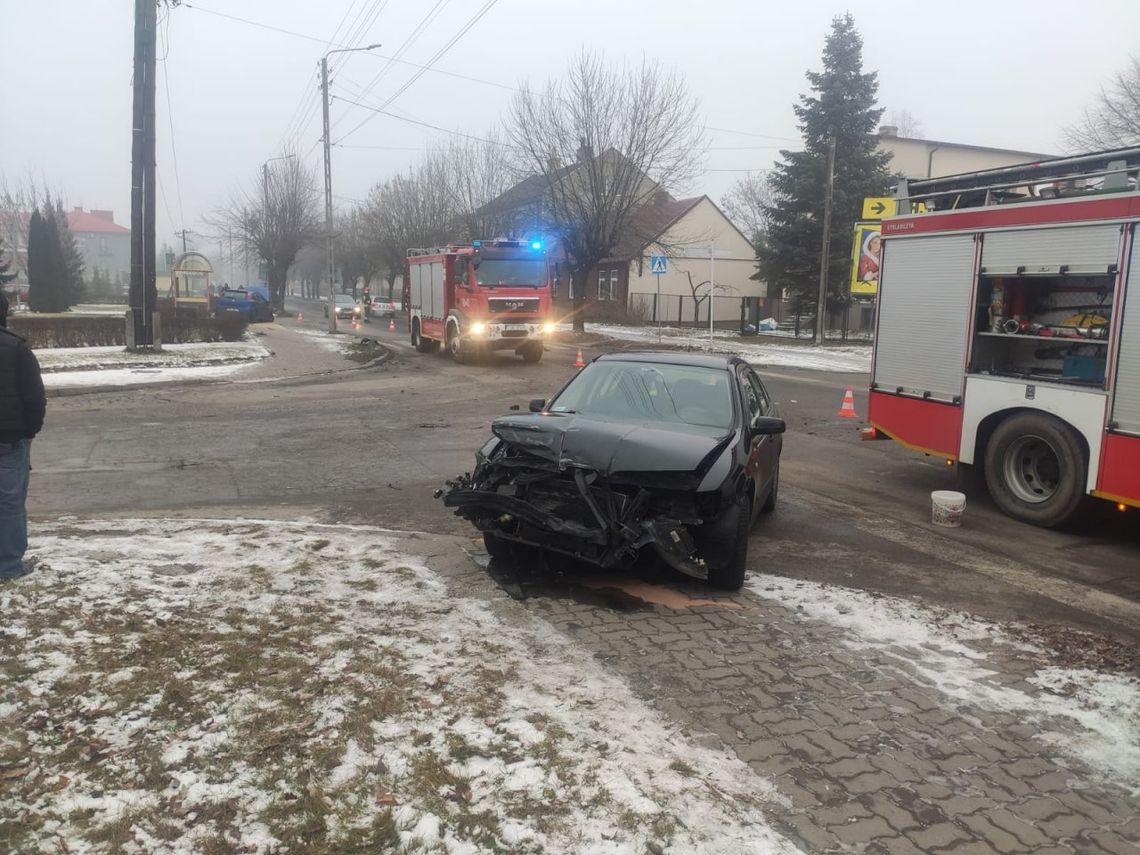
(328, 191)
(821, 305)
(328, 174)
(143, 295)
(182, 234)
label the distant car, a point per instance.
(382, 308)
(250, 304)
(676, 451)
(346, 307)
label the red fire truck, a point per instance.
(479, 297)
(1008, 330)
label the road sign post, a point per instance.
(658, 266)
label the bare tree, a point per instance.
(475, 173)
(413, 210)
(906, 122)
(1114, 119)
(358, 248)
(746, 204)
(277, 221)
(604, 139)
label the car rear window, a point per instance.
(643, 391)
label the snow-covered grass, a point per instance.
(843, 358)
(1087, 714)
(210, 686)
(140, 376)
(69, 367)
(53, 359)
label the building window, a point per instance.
(607, 282)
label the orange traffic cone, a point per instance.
(300, 317)
(391, 324)
(579, 362)
(847, 411)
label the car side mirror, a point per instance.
(537, 405)
(768, 425)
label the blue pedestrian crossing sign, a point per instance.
(658, 264)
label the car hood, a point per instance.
(608, 447)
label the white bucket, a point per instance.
(946, 507)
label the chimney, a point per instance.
(109, 216)
(888, 130)
(585, 152)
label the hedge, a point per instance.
(107, 330)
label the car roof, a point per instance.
(672, 357)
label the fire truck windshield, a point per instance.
(505, 272)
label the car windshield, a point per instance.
(511, 271)
(643, 391)
(235, 295)
(345, 300)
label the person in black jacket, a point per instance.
(22, 406)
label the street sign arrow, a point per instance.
(878, 207)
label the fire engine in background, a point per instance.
(489, 295)
(1008, 330)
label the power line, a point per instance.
(357, 29)
(435, 58)
(412, 121)
(411, 39)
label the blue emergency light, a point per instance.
(536, 244)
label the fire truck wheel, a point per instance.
(455, 348)
(532, 352)
(421, 344)
(1036, 469)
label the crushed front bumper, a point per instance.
(577, 513)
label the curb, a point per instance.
(72, 391)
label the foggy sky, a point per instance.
(1006, 73)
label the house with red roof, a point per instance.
(103, 243)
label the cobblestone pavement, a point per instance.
(868, 756)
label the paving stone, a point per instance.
(895, 769)
(803, 830)
(1063, 826)
(1039, 808)
(940, 836)
(879, 805)
(1077, 803)
(960, 805)
(864, 831)
(840, 814)
(1110, 842)
(997, 838)
(1019, 828)
(873, 782)
(833, 748)
(849, 768)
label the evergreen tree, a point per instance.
(72, 258)
(841, 104)
(45, 265)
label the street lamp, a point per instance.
(328, 175)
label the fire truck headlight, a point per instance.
(478, 328)
(548, 327)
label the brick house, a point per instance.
(102, 242)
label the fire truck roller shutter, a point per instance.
(1079, 249)
(924, 309)
(437, 302)
(1126, 394)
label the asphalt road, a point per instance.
(373, 446)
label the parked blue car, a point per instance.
(251, 304)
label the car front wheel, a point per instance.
(726, 550)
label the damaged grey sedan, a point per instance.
(676, 452)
